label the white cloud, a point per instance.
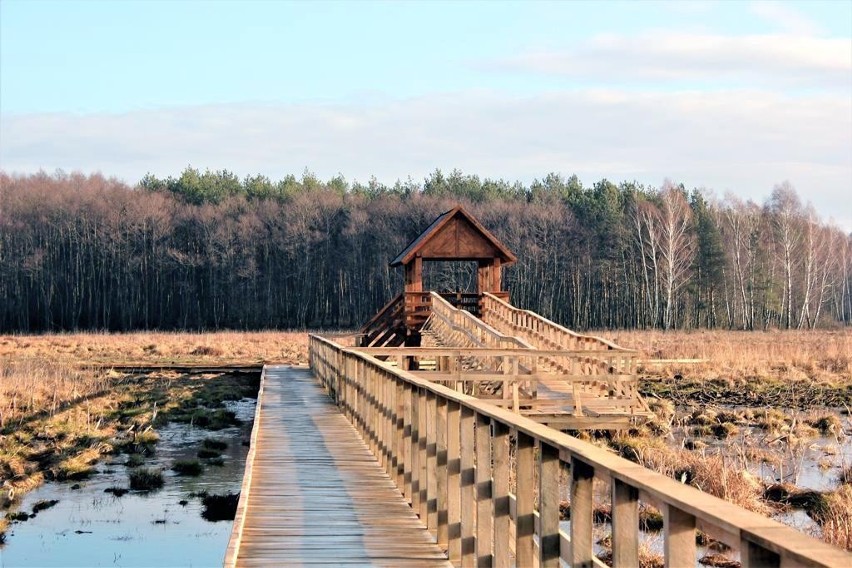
(786, 18)
(784, 60)
(743, 141)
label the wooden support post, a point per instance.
(454, 481)
(582, 477)
(415, 452)
(406, 443)
(468, 499)
(424, 475)
(432, 463)
(625, 525)
(548, 506)
(384, 422)
(500, 494)
(755, 556)
(442, 435)
(679, 544)
(525, 500)
(399, 434)
(484, 505)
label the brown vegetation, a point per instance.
(774, 368)
(62, 408)
(66, 352)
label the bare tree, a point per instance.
(786, 211)
(677, 246)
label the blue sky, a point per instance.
(732, 96)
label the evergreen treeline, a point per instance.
(209, 250)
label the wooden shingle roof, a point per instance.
(455, 235)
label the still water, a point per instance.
(89, 527)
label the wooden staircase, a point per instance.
(511, 357)
(387, 327)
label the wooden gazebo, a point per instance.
(454, 236)
(457, 235)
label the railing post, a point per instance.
(414, 452)
(484, 504)
(442, 435)
(424, 475)
(373, 422)
(390, 424)
(500, 493)
(755, 556)
(524, 500)
(582, 478)
(548, 506)
(405, 450)
(432, 463)
(398, 433)
(454, 481)
(468, 499)
(625, 525)
(679, 546)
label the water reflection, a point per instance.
(89, 527)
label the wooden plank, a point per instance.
(525, 500)
(454, 481)
(484, 505)
(548, 506)
(468, 502)
(500, 490)
(625, 523)
(582, 478)
(679, 537)
(317, 495)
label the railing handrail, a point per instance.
(552, 324)
(755, 534)
(439, 303)
(381, 313)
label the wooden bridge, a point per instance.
(431, 443)
(358, 462)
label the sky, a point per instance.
(727, 96)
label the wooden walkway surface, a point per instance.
(317, 495)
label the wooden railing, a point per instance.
(462, 329)
(517, 372)
(606, 374)
(387, 321)
(487, 483)
(466, 301)
(537, 330)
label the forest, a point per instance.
(209, 250)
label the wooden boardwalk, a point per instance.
(316, 494)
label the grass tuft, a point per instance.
(220, 507)
(214, 444)
(204, 453)
(145, 479)
(191, 468)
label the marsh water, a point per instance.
(88, 527)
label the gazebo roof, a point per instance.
(455, 235)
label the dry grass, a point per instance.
(720, 475)
(158, 348)
(836, 517)
(62, 409)
(823, 356)
(776, 368)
